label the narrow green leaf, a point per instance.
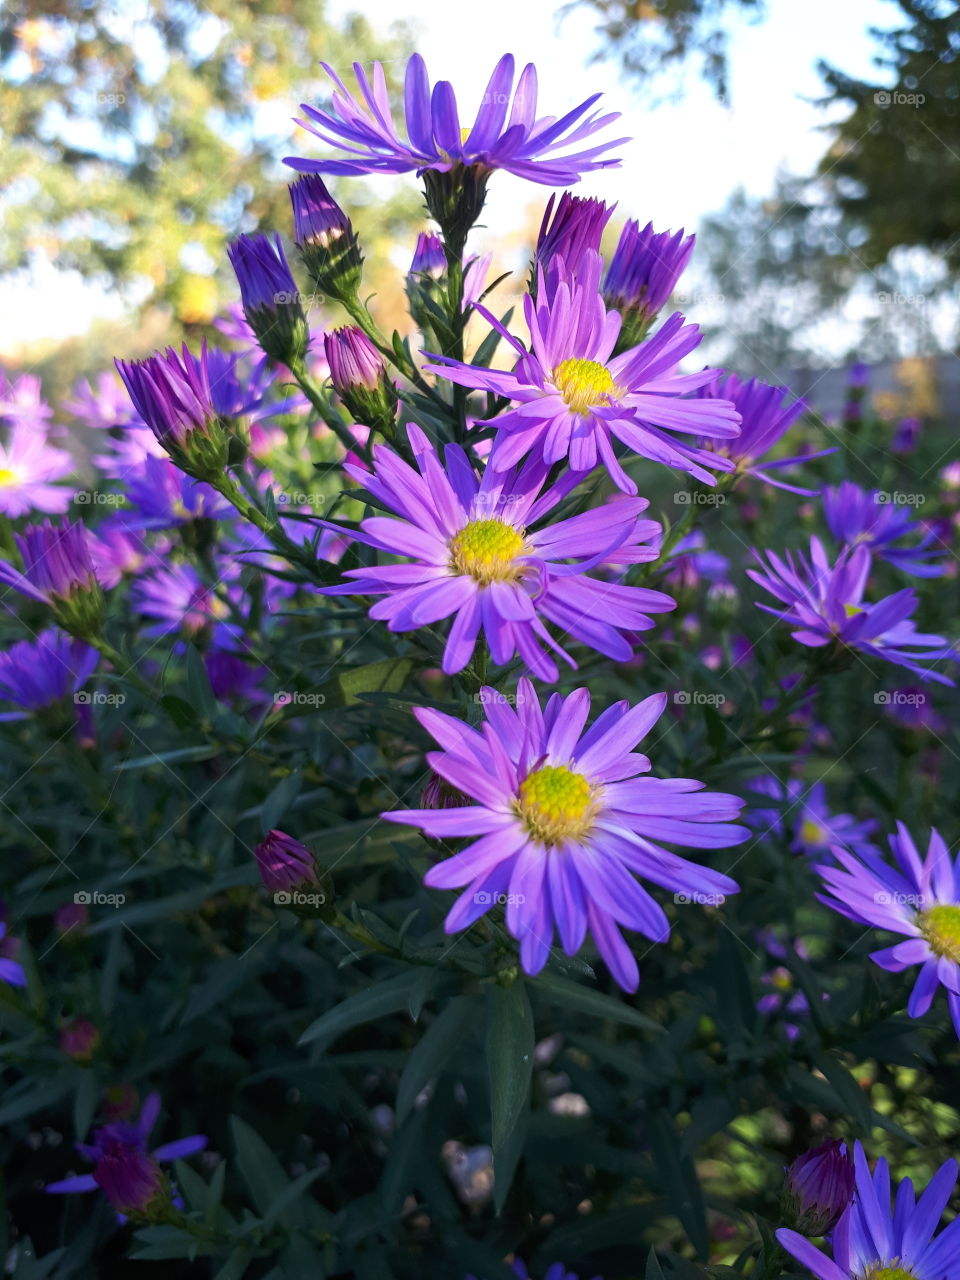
(261, 1169)
(510, 1045)
(434, 1049)
(376, 1001)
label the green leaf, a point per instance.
(376, 1001)
(654, 1271)
(181, 755)
(510, 1044)
(285, 1208)
(571, 995)
(847, 1090)
(434, 1049)
(261, 1169)
(85, 1103)
(678, 1180)
(280, 799)
(224, 979)
(198, 685)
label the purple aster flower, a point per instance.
(504, 135)
(171, 393)
(573, 396)
(564, 822)
(353, 360)
(569, 232)
(127, 451)
(783, 998)
(814, 828)
(326, 239)
(271, 300)
(691, 561)
(912, 708)
(99, 404)
(79, 1039)
(429, 258)
(766, 415)
(479, 551)
(919, 898)
(284, 863)
(856, 516)
(819, 1186)
(873, 1241)
(163, 497)
(11, 972)
(58, 571)
(644, 271)
(22, 402)
(124, 1167)
(28, 468)
(824, 603)
(178, 599)
(858, 375)
(906, 436)
(116, 551)
(233, 678)
(38, 673)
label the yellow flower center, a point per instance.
(851, 610)
(464, 135)
(812, 833)
(7, 477)
(881, 1272)
(940, 926)
(556, 804)
(782, 980)
(486, 550)
(584, 383)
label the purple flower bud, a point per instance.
(79, 1039)
(819, 1186)
(859, 374)
(429, 258)
(438, 794)
(575, 228)
(271, 301)
(132, 1181)
(644, 271)
(326, 238)
(906, 435)
(71, 917)
(58, 571)
(359, 377)
(284, 863)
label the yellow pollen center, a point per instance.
(464, 135)
(584, 383)
(881, 1272)
(556, 804)
(851, 610)
(487, 550)
(812, 833)
(7, 477)
(782, 980)
(940, 926)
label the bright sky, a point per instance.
(685, 156)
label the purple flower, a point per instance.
(284, 863)
(177, 598)
(22, 403)
(171, 393)
(824, 603)
(782, 998)
(38, 673)
(873, 1241)
(820, 1186)
(353, 359)
(113, 1151)
(814, 828)
(429, 258)
(574, 396)
(326, 239)
(766, 413)
(58, 571)
(79, 1039)
(858, 375)
(691, 560)
(28, 468)
(906, 436)
(564, 822)
(164, 497)
(117, 551)
(857, 516)
(11, 972)
(271, 300)
(133, 1182)
(504, 135)
(644, 269)
(919, 898)
(100, 404)
(478, 551)
(574, 229)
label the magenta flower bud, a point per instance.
(79, 1040)
(438, 794)
(819, 1186)
(359, 377)
(132, 1181)
(285, 863)
(326, 239)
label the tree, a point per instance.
(894, 167)
(139, 135)
(650, 36)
